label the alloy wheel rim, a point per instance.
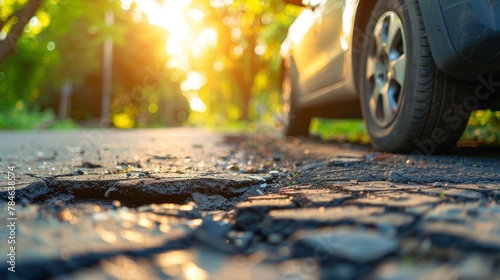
(386, 69)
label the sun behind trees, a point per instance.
(178, 62)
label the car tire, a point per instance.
(408, 104)
(295, 121)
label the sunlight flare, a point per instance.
(194, 81)
(197, 104)
(174, 16)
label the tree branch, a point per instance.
(17, 13)
(8, 46)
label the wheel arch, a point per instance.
(359, 38)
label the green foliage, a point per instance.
(64, 125)
(483, 128)
(227, 69)
(144, 93)
(51, 50)
(241, 71)
(22, 118)
(353, 131)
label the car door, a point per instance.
(305, 34)
(331, 44)
(316, 35)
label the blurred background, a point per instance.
(67, 64)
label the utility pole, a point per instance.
(65, 100)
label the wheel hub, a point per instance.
(382, 69)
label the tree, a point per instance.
(221, 55)
(244, 66)
(142, 90)
(15, 22)
(60, 42)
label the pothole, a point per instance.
(209, 192)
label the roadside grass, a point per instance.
(483, 129)
(349, 130)
(27, 119)
(64, 125)
(23, 118)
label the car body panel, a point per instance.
(464, 35)
(325, 72)
(323, 44)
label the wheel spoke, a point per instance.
(398, 69)
(370, 67)
(377, 34)
(373, 102)
(388, 108)
(392, 31)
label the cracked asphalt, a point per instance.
(194, 204)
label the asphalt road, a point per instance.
(193, 204)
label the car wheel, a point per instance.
(407, 103)
(296, 122)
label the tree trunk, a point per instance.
(249, 77)
(8, 46)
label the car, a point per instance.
(412, 69)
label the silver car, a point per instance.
(414, 70)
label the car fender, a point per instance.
(462, 35)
